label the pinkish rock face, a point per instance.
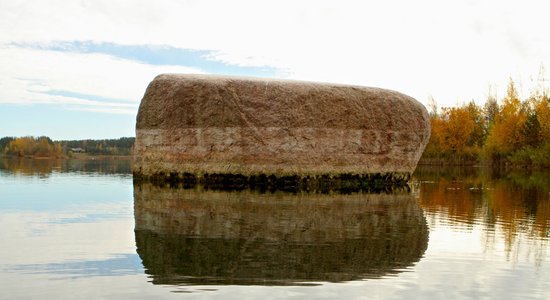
(203, 124)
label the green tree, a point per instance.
(4, 142)
(479, 132)
(531, 131)
(542, 109)
(490, 111)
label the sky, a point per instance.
(78, 69)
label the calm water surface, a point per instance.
(81, 229)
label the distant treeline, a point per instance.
(513, 132)
(121, 146)
(43, 146)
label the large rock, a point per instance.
(201, 124)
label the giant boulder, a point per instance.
(202, 124)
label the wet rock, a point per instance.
(200, 124)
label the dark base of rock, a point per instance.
(341, 183)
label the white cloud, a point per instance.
(30, 74)
(452, 51)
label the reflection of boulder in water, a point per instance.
(211, 237)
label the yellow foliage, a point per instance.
(505, 134)
(542, 109)
(516, 131)
(457, 130)
(453, 132)
(30, 146)
(436, 137)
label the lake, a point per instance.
(82, 229)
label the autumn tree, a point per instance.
(542, 111)
(479, 132)
(437, 136)
(31, 146)
(451, 131)
(505, 133)
(490, 111)
(458, 129)
(21, 146)
(516, 132)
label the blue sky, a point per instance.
(203, 60)
(78, 69)
(93, 115)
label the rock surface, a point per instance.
(201, 124)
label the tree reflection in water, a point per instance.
(45, 167)
(193, 236)
(512, 206)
